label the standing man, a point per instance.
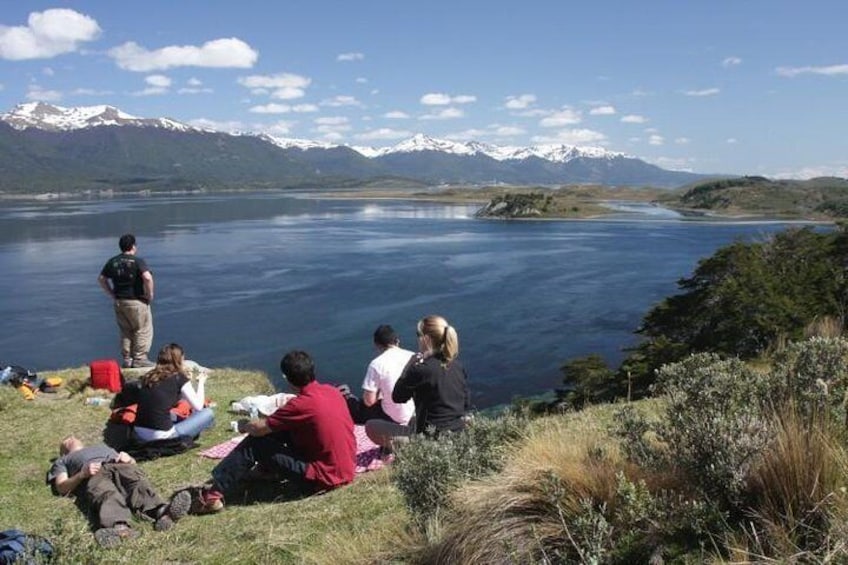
(128, 281)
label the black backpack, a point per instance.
(19, 547)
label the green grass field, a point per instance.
(364, 522)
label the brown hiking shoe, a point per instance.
(113, 537)
(206, 501)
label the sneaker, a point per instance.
(169, 513)
(127, 364)
(208, 501)
(113, 537)
(142, 363)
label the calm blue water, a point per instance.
(240, 279)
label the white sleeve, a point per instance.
(195, 398)
(372, 379)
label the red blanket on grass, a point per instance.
(367, 452)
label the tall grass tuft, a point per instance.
(797, 491)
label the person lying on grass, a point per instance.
(309, 441)
(114, 488)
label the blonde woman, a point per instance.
(436, 382)
(161, 389)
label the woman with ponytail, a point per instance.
(161, 389)
(435, 381)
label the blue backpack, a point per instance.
(18, 547)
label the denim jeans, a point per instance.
(196, 423)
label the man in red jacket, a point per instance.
(309, 441)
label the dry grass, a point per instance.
(521, 515)
(824, 326)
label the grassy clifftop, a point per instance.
(353, 524)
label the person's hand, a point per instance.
(201, 378)
(91, 469)
(124, 457)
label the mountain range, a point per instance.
(47, 148)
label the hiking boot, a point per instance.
(207, 501)
(169, 513)
(113, 537)
(127, 364)
(144, 362)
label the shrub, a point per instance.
(813, 375)
(427, 470)
(715, 422)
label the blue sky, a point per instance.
(722, 86)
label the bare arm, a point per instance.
(66, 485)
(258, 427)
(107, 288)
(369, 398)
(147, 277)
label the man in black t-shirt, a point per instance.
(128, 281)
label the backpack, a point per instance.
(105, 374)
(19, 547)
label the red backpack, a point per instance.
(105, 374)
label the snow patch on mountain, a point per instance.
(292, 143)
(41, 115)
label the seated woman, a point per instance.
(435, 381)
(161, 389)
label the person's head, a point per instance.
(437, 335)
(70, 444)
(298, 368)
(168, 362)
(385, 336)
(126, 243)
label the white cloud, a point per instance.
(702, 92)
(505, 131)
(278, 128)
(194, 90)
(383, 133)
(283, 86)
(467, 135)
(682, 140)
(815, 171)
(350, 57)
(90, 92)
(831, 70)
(158, 80)
(440, 99)
(602, 111)
(396, 115)
(283, 108)
(634, 119)
(565, 117)
(331, 120)
(572, 137)
(361, 80)
(656, 139)
(535, 113)
(151, 91)
(271, 109)
(640, 92)
(37, 93)
(227, 126)
(444, 114)
(1, 86)
(194, 82)
(220, 53)
(47, 34)
(731, 62)
(732, 140)
(341, 100)
(520, 102)
(48, 72)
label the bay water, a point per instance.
(243, 278)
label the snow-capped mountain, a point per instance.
(553, 153)
(94, 145)
(41, 115)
